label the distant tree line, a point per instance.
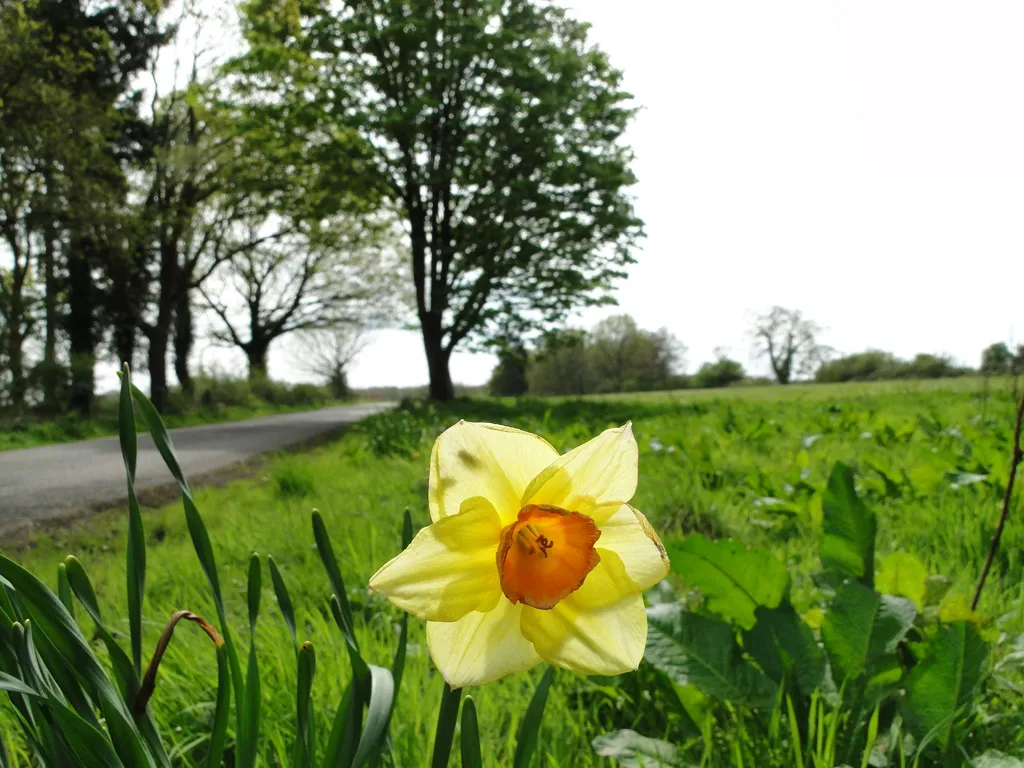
(618, 356)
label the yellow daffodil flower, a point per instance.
(531, 556)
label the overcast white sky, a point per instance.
(860, 161)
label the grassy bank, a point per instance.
(214, 401)
(750, 464)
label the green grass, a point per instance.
(746, 463)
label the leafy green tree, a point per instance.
(870, 365)
(495, 125)
(624, 358)
(509, 376)
(559, 364)
(996, 359)
(720, 373)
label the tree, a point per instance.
(509, 376)
(327, 354)
(321, 278)
(623, 358)
(996, 359)
(559, 365)
(493, 123)
(720, 373)
(789, 341)
(870, 365)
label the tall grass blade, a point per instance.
(529, 728)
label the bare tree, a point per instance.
(789, 341)
(347, 273)
(327, 354)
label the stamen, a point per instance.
(532, 539)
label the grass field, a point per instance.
(932, 459)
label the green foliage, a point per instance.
(734, 580)
(848, 540)
(764, 664)
(876, 365)
(720, 373)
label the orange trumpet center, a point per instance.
(545, 555)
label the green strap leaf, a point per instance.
(529, 728)
(470, 738)
(284, 601)
(323, 546)
(378, 712)
(444, 734)
(64, 590)
(12, 684)
(222, 710)
(249, 717)
(305, 744)
(135, 551)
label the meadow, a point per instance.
(749, 464)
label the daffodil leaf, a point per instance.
(734, 580)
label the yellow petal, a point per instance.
(593, 641)
(594, 479)
(628, 534)
(481, 647)
(449, 569)
(487, 460)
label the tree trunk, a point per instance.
(184, 338)
(81, 312)
(158, 392)
(123, 310)
(256, 352)
(441, 388)
(50, 372)
(15, 359)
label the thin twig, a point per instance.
(149, 681)
(1015, 460)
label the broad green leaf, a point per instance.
(630, 749)
(860, 627)
(529, 727)
(940, 689)
(469, 740)
(734, 580)
(848, 532)
(903, 575)
(784, 646)
(994, 759)
(957, 608)
(703, 652)
(444, 733)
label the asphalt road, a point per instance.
(55, 481)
